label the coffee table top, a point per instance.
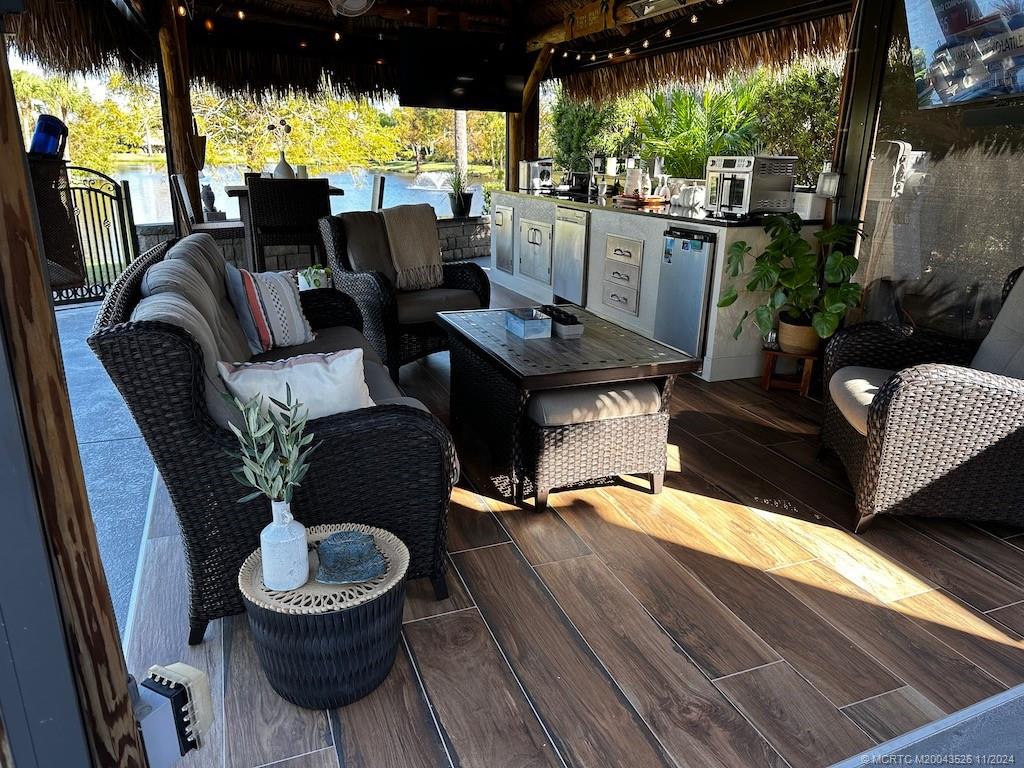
(605, 353)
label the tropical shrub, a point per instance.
(687, 127)
(797, 114)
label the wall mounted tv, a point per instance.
(447, 70)
(966, 50)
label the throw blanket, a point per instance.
(415, 247)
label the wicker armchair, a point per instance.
(944, 431)
(397, 342)
(390, 466)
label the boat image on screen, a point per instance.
(966, 50)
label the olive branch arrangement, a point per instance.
(273, 449)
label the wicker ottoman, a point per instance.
(579, 434)
(323, 645)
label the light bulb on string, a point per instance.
(647, 43)
(593, 57)
(240, 14)
(668, 33)
(694, 19)
(628, 51)
(579, 56)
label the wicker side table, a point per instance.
(325, 645)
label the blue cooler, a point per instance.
(50, 137)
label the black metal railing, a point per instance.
(106, 231)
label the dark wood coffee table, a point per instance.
(495, 372)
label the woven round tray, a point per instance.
(323, 646)
(314, 598)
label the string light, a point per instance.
(208, 25)
(182, 10)
(666, 34)
(337, 37)
(240, 14)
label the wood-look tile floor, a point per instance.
(730, 621)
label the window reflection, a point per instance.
(942, 209)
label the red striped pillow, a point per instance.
(268, 308)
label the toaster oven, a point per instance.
(739, 186)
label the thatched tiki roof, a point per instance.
(276, 45)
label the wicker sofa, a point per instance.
(390, 466)
(399, 324)
(929, 425)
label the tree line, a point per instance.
(122, 118)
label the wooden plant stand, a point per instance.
(800, 382)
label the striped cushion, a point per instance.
(268, 308)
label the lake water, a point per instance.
(151, 196)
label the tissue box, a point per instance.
(528, 323)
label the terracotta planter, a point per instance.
(798, 339)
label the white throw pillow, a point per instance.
(325, 384)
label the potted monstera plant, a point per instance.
(808, 287)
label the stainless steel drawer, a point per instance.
(624, 249)
(620, 273)
(621, 298)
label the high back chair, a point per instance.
(285, 212)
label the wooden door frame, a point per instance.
(51, 489)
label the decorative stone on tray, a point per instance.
(349, 557)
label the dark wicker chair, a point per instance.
(286, 212)
(396, 343)
(390, 466)
(943, 439)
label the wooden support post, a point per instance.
(178, 131)
(522, 129)
(28, 328)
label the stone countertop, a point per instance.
(687, 216)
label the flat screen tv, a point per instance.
(966, 50)
(446, 70)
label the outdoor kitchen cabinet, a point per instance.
(535, 250)
(503, 237)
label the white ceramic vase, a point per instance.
(284, 552)
(282, 170)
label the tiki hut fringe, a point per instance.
(774, 49)
(86, 36)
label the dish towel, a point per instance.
(415, 247)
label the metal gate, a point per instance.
(106, 231)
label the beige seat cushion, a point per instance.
(422, 306)
(367, 242)
(1002, 351)
(327, 340)
(576, 405)
(852, 390)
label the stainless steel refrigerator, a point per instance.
(684, 290)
